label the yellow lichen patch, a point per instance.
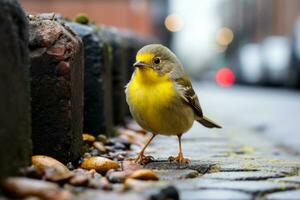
(251, 166)
(145, 57)
(248, 149)
(214, 169)
(274, 160)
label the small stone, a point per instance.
(120, 142)
(102, 138)
(119, 146)
(43, 162)
(128, 165)
(140, 185)
(144, 174)
(100, 164)
(95, 152)
(33, 172)
(120, 157)
(88, 138)
(24, 187)
(116, 176)
(70, 166)
(102, 183)
(79, 180)
(87, 155)
(110, 148)
(100, 147)
(169, 192)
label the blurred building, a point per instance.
(143, 16)
(263, 46)
(256, 19)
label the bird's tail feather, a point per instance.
(208, 122)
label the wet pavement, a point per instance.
(274, 112)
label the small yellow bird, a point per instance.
(161, 97)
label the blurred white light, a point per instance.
(195, 43)
(251, 63)
(276, 57)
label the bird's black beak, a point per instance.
(139, 64)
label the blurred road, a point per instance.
(270, 111)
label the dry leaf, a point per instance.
(88, 138)
(144, 174)
(100, 164)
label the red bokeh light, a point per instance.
(225, 77)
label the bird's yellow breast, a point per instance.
(148, 95)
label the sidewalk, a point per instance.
(231, 164)
(228, 165)
(236, 162)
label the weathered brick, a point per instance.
(119, 73)
(57, 89)
(15, 128)
(97, 80)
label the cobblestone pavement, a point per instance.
(228, 165)
(232, 163)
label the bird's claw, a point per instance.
(143, 160)
(180, 159)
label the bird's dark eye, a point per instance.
(156, 61)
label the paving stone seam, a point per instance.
(262, 195)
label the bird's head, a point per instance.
(155, 60)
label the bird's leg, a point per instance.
(142, 159)
(180, 157)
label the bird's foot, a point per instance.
(180, 159)
(143, 160)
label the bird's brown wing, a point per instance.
(184, 87)
(188, 94)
